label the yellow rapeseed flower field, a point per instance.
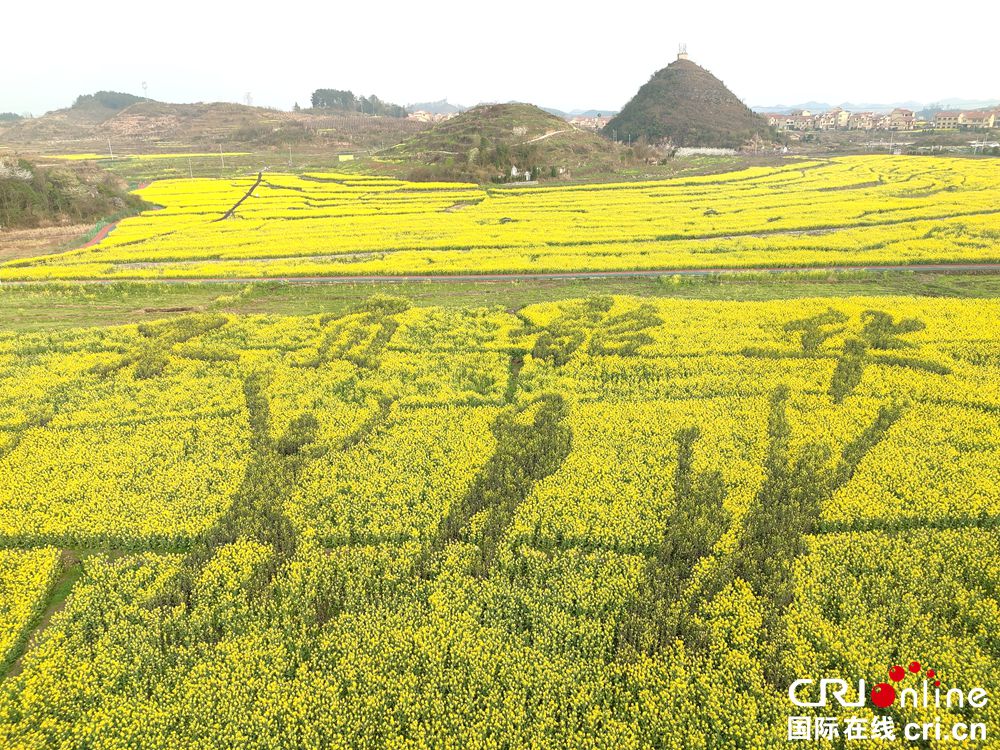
(857, 210)
(607, 522)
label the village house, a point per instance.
(974, 119)
(792, 122)
(835, 119)
(979, 120)
(778, 120)
(898, 119)
(949, 119)
(861, 121)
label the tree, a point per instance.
(346, 100)
(334, 99)
(109, 99)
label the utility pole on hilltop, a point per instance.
(221, 157)
(109, 149)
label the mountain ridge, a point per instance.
(942, 104)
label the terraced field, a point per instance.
(864, 210)
(593, 523)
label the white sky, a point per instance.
(564, 55)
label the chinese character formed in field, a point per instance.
(799, 727)
(855, 728)
(817, 329)
(883, 728)
(826, 728)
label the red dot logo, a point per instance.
(896, 674)
(883, 694)
(931, 674)
(914, 667)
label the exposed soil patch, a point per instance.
(463, 204)
(27, 243)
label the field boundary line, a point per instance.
(70, 571)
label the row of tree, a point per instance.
(347, 101)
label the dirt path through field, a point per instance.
(573, 275)
(104, 232)
(547, 135)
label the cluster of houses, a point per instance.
(897, 119)
(841, 119)
(590, 123)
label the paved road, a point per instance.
(564, 276)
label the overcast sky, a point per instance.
(562, 55)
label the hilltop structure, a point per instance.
(685, 105)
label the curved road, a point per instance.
(557, 276)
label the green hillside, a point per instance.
(484, 143)
(33, 196)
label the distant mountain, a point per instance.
(593, 113)
(964, 104)
(581, 112)
(688, 106)
(880, 106)
(440, 107)
(784, 109)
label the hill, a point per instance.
(685, 105)
(486, 142)
(136, 124)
